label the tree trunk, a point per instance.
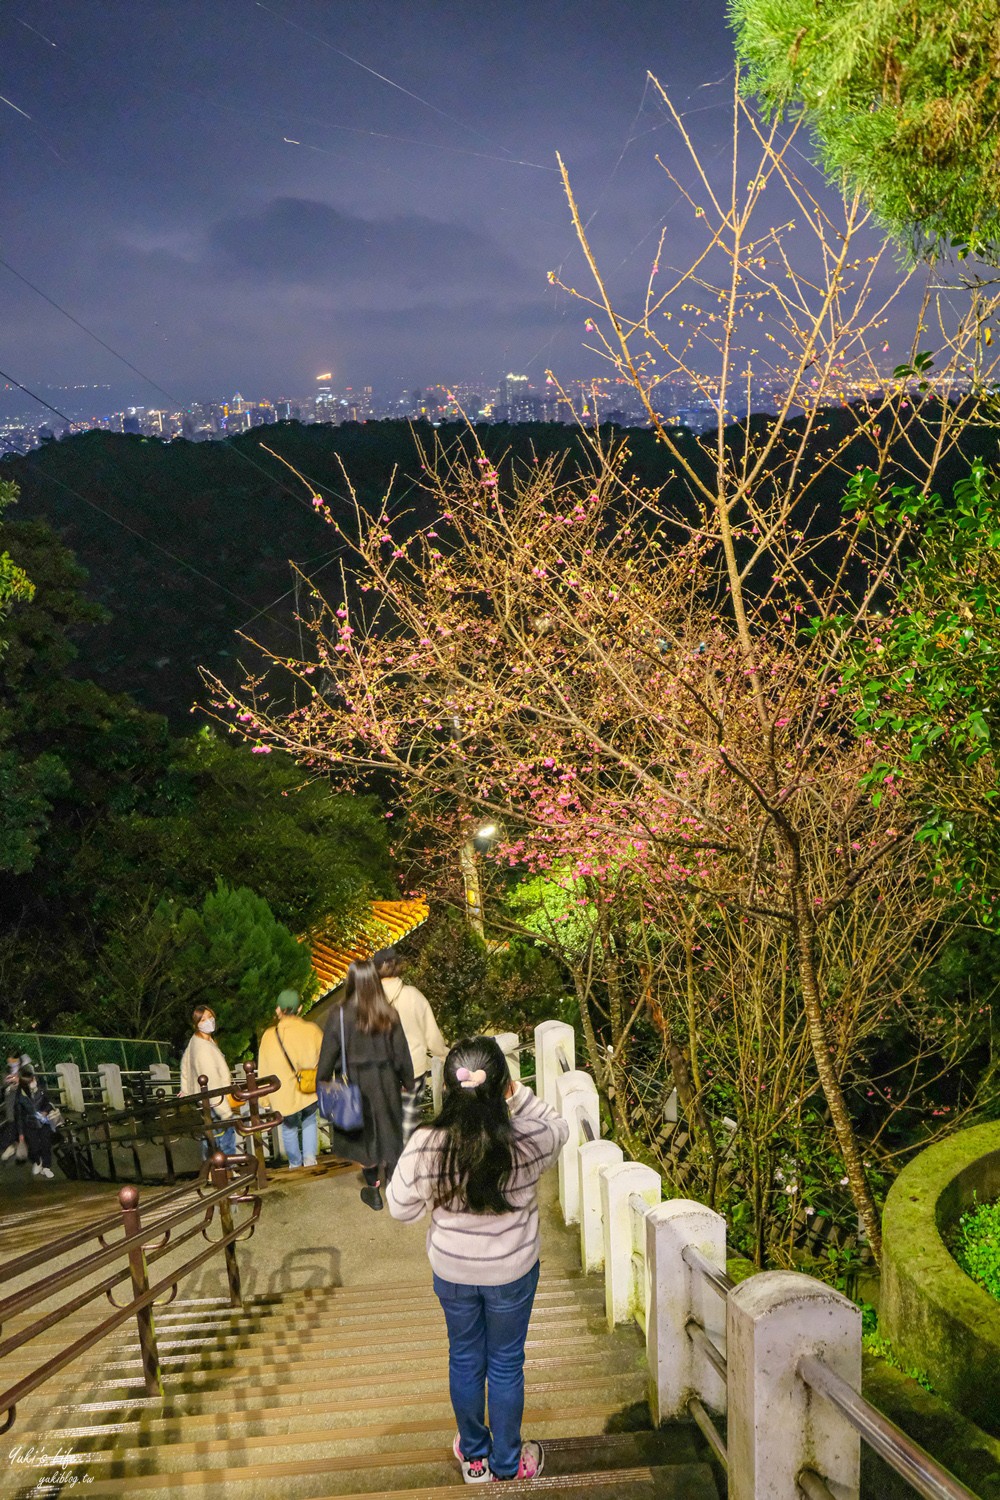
(803, 928)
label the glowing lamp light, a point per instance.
(327, 376)
(488, 831)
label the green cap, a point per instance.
(288, 1000)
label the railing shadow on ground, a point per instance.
(769, 1369)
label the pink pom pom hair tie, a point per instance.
(470, 1079)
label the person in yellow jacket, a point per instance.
(423, 1035)
(289, 1050)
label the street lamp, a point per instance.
(470, 874)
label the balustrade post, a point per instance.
(207, 1123)
(128, 1199)
(112, 1089)
(591, 1157)
(220, 1178)
(678, 1293)
(159, 1078)
(255, 1132)
(550, 1038)
(618, 1183)
(70, 1087)
(575, 1092)
(510, 1044)
(776, 1425)
(437, 1083)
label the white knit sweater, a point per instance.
(482, 1249)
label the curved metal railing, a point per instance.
(143, 1244)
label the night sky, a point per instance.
(153, 195)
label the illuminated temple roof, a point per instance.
(388, 923)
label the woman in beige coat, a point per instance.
(288, 1050)
(204, 1058)
(423, 1035)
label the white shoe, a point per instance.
(310, 1161)
(36, 1169)
(47, 1172)
(10, 1151)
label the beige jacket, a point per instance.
(302, 1040)
(203, 1056)
(423, 1036)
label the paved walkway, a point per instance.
(315, 1231)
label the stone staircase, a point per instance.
(343, 1391)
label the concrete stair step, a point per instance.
(685, 1482)
(362, 1441)
(349, 1398)
(192, 1419)
(183, 1372)
(409, 1470)
(215, 1339)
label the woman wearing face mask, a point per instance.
(204, 1058)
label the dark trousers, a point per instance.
(38, 1139)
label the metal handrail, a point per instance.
(164, 1114)
(97, 1259)
(712, 1353)
(890, 1442)
(812, 1486)
(563, 1061)
(709, 1431)
(55, 1249)
(587, 1130)
(133, 1249)
(717, 1279)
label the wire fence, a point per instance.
(88, 1052)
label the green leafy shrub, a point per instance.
(975, 1244)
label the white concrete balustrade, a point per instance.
(712, 1346)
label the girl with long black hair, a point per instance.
(377, 1059)
(476, 1169)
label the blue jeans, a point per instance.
(487, 1327)
(225, 1139)
(308, 1120)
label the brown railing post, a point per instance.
(220, 1177)
(256, 1128)
(206, 1114)
(128, 1197)
(163, 1116)
(109, 1147)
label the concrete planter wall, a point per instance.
(937, 1318)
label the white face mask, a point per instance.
(207, 1025)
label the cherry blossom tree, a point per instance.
(645, 689)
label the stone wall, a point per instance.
(938, 1319)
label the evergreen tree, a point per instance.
(903, 99)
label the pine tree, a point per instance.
(903, 100)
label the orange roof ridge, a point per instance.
(388, 921)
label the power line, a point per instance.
(175, 400)
(382, 78)
(88, 331)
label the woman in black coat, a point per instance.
(378, 1061)
(31, 1106)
